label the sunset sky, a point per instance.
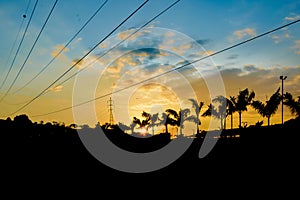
(188, 31)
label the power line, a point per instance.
(118, 44)
(65, 46)
(24, 63)
(109, 50)
(78, 61)
(20, 44)
(175, 69)
(14, 43)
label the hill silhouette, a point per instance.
(53, 149)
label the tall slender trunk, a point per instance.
(166, 125)
(240, 119)
(221, 119)
(180, 131)
(225, 123)
(198, 131)
(269, 121)
(231, 122)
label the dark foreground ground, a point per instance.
(41, 153)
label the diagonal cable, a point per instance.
(62, 75)
(19, 46)
(174, 69)
(65, 46)
(24, 63)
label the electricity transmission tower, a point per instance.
(110, 110)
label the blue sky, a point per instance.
(214, 24)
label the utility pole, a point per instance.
(110, 110)
(282, 78)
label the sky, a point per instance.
(124, 64)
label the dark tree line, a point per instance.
(220, 108)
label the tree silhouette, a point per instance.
(154, 121)
(22, 120)
(167, 120)
(218, 110)
(149, 121)
(270, 107)
(225, 108)
(197, 106)
(294, 105)
(133, 125)
(241, 102)
(231, 109)
(178, 118)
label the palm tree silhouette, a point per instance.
(135, 121)
(270, 107)
(144, 123)
(241, 102)
(231, 109)
(218, 110)
(294, 105)
(178, 118)
(154, 121)
(197, 106)
(167, 120)
(225, 108)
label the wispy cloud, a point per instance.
(293, 17)
(151, 95)
(57, 88)
(275, 38)
(203, 41)
(80, 64)
(297, 47)
(262, 80)
(240, 34)
(250, 68)
(129, 33)
(57, 49)
(279, 38)
(208, 52)
(233, 56)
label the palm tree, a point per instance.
(154, 121)
(167, 120)
(270, 107)
(225, 108)
(178, 118)
(243, 99)
(231, 109)
(294, 105)
(197, 106)
(145, 122)
(219, 110)
(135, 121)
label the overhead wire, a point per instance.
(118, 44)
(62, 49)
(26, 59)
(19, 46)
(79, 60)
(17, 36)
(109, 50)
(174, 69)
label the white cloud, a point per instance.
(292, 18)
(276, 39)
(57, 88)
(297, 47)
(240, 34)
(57, 50)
